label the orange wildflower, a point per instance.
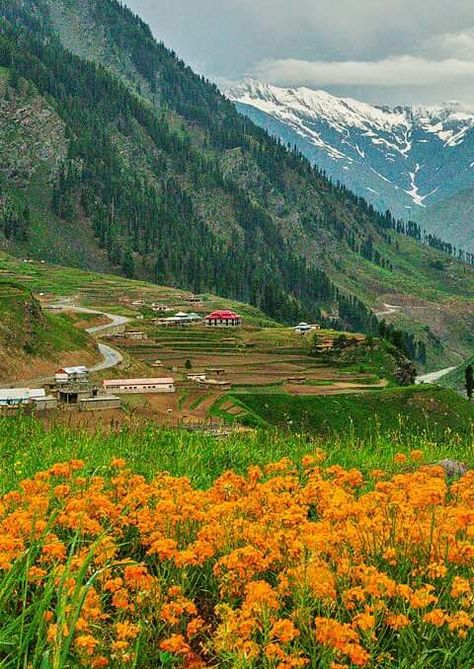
(86, 643)
(284, 630)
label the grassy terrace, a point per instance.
(112, 292)
(25, 326)
(428, 409)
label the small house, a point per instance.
(72, 375)
(134, 335)
(302, 328)
(215, 384)
(137, 386)
(180, 320)
(74, 393)
(223, 319)
(18, 396)
(297, 380)
(197, 378)
(215, 372)
(194, 299)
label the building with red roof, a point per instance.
(223, 319)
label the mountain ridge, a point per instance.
(404, 158)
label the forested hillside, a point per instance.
(146, 169)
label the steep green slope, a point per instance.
(30, 338)
(175, 186)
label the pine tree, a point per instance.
(469, 381)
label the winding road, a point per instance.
(111, 357)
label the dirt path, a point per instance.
(389, 309)
(432, 377)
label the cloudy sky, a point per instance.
(383, 51)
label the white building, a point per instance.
(15, 397)
(303, 328)
(136, 386)
(180, 319)
(72, 374)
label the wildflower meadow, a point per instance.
(294, 563)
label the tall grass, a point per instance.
(27, 446)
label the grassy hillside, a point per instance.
(164, 180)
(30, 339)
(429, 408)
(114, 293)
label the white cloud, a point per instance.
(399, 47)
(453, 44)
(404, 70)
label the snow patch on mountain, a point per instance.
(413, 150)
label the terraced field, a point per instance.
(248, 357)
(114, 294)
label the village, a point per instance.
(173, 363)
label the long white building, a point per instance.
(131, 386)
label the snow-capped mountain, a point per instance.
(404, 159)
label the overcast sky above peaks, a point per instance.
(383, 51)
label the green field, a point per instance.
(426, 409)
(202, 457)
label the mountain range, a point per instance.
(116, 156)
(415, 161)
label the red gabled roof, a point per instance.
(224, 314)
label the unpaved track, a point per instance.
(433, 377)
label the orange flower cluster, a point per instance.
(288, 566)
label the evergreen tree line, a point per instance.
(413, 348)
(14, 219)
